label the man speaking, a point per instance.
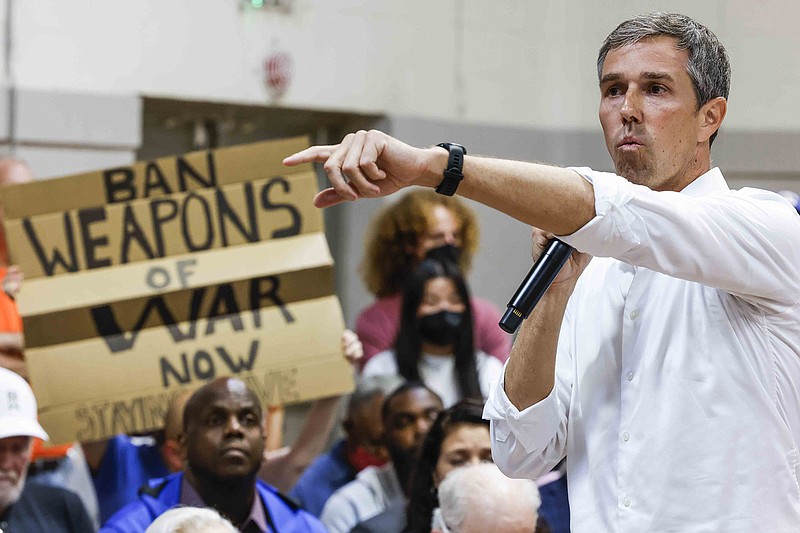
(667, 370)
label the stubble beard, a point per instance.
(634, 168)
(10, 492)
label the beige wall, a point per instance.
(519, 62)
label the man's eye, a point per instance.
(402, 422)
(613, 91)
(658, 89)
(215, 420)
(250, 420)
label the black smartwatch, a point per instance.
(453, 173)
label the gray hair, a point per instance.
(484, 488)
(370, 387)
(708, 65)
(191, 520)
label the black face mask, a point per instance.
(445, 253)
(440, 329)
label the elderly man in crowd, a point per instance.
(29, 506)
(479, 498)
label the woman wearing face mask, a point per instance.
(421, 224)
(435, 342)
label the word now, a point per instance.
(203, 366)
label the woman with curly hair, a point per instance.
(421, 223)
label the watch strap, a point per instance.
(453, 173)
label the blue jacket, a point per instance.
(327, 474)
(162, 494)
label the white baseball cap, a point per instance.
(18, 408)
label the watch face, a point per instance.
(447, 146)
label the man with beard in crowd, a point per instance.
(407, 414)
(24, 505)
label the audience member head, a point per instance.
(363, 426)
(480, 498)
(18, 425)
(191, 520)
(223, 437)
(458, 437)
(12, 171)
(436, 317)
(407, 230)
(169, 439)
(407, 414)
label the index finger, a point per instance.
(314, 154)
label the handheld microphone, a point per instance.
(535, 284)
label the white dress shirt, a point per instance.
(676, 399)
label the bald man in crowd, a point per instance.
(223, 441)
(122, 464)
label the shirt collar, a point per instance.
(257, 516)
(707, 184)
(189, 495)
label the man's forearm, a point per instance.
(557, 200)
(530, 373)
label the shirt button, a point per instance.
(634, 315)
(626, 436)
(626, 502)
(629, 376)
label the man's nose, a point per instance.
(5, 460)
(423, 425)
(631, 109)
(233, 426)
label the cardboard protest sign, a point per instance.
(142, 281)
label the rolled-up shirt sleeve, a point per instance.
(529, 443)
(521, 438)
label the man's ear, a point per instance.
(174, 454)
(711, 116)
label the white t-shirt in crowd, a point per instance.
(438, 372)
